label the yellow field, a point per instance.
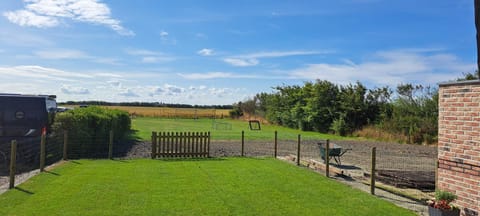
(167, 112)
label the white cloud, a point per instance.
(277, 54)
(241, 62)
(252, 58)
(128, 93)
(390, 68)
(50, 13)
(211, 75)
(34, 71)
(61, 54)
(141, 52)
(156, 59)
(201, 36)
(163, 34)
(28, 18)
(115, 83)
(167, 90)
(166, 38)
(215, 75)
(205, 52)
(148, 56)
(76, 90)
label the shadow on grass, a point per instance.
(52, 173)
(120, 160)
(75, 162)
(190, 159)
(23, 190)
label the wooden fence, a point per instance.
(180, 144)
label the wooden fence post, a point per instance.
(243, 142)
(110, 145)
(154, 144)
(42, 152)
(208, 144)
(327, 158)
(276, 145)
(65, 144)
(13, 161)
(372, 172)
(298, 151)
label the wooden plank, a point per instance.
(208, 150)
(164, 141)
(154, 144)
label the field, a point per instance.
(167, 112)
(226, 186)
(219, 130)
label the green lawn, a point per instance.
(146, 125)
(227, 186)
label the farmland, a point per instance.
(168, 112)
(222, 129)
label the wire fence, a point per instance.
(408, 170)
(32, 154)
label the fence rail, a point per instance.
(180, 144)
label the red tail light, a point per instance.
(44, 130)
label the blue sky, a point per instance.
(221, 52)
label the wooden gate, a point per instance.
(180, 144)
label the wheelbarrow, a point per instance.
(335, 151)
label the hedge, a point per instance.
(88, 129)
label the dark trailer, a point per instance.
(26, 115)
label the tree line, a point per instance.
(410, 112)
(146, 104)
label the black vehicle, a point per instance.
(26, 115)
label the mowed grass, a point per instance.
(145, 125)
(227, 186)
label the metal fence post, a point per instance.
(65, 144)
(372, 172)
(298, 150)
(110, 145)
(243, 143)
(13, 161)
(276, 145)
(42, 152)
(327, 158)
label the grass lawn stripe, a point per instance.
(227, 186)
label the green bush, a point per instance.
(89, 128)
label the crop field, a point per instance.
(226, 186)
(167, 112)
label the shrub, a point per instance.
(89, 128)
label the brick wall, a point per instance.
(459, 143)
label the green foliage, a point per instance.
(445, 195)
(227, 186)
(324, 107)
(236, 112)
(89, 128)
(339, 126)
